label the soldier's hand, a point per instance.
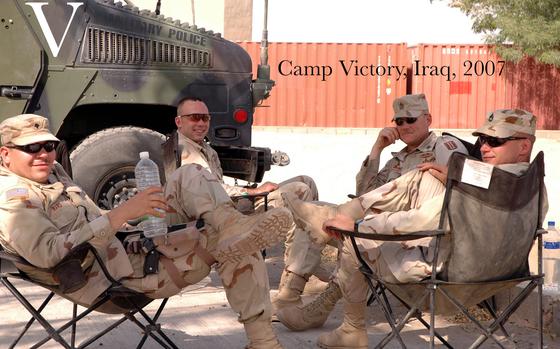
(341, 222)
(386, 137)
(265, 187)
(147, 202)
(436, 170)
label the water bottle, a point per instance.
(551, 258)
(147, 175)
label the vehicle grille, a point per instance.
(108, 47)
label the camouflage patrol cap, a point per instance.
(25, 129)
(504, 123)
(410, 106)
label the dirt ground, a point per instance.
(201, 318)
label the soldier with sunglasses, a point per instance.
(43, 215)
(192, 125)
(412, 121)
(410, 203)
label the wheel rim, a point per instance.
(117, 186)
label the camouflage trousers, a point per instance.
(192, 192)
(304, 249)
(297, 242)
(410, 203)
(303, 187)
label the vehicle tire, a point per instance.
(103, 163)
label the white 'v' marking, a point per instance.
(38, 9)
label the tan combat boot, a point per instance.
(352, 333)
(289, 291)
(261, 335)
(315, 286)
(311, 315)
(241, 235)
(310, 216)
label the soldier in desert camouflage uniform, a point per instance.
(410, 203)
(43, 215)
(193, 120)
(412, 121)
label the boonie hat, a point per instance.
(410, 106)
(25, 129)
(504, 123)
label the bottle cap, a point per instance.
(144, 155)
(551, 223)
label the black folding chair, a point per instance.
(115, 299)
(491, 232)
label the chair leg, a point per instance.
(506, 313)
(418, 316)
(32, 320)
(399, 326)
(491, 309)
(486, 332)
(432, 290)
(50, 330)
(74, 314)
(152, 326)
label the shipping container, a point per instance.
(478, 82)
(536, 87)
(331, 84)
(350, 85)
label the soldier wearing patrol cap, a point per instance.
(43, 215)
(412, 120)
(410, 203)
(193, 121)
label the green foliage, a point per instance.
(518, 28)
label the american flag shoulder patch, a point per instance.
(17, 194)
(451, 145)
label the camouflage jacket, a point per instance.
(403, 206)
(433, 149)
(42, 222)
(203, 155)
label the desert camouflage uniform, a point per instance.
(203, 154)
(432, 149)
(42, 223)
(307, 248)
(410, 203)
(303, 186)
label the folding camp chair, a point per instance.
(491, 232)
(116, 299)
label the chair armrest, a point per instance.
(389, 237)
(540, 232)
(67, 272)
(248, 196)
(13, 258)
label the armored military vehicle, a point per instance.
(108, 75)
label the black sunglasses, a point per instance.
(197, 117)
(400, 121)
(34, 148)
(495, 142)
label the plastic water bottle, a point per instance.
(147, 175)
(551, 258)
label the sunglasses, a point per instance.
(197, 117)
(495, 142)
(34, 148)
(401, 121)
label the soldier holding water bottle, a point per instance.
(43, 215)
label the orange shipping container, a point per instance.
(482, 83)
(331, 84)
